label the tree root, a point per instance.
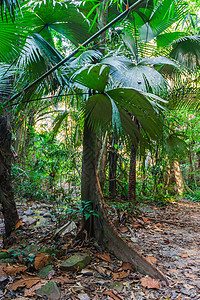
(122, 249)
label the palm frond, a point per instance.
(186, 50)
(9, 7)
(64, 17)
(92, 76)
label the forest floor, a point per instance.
(169, 237)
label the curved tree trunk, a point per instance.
(98, 224)
(6, 192)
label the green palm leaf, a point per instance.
(63, 17)
(9, 7)
(186, 50)
(93, 76)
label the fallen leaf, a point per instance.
(41, 260)
(101, 271)
(158, 225)
(120, 275)
(150, 283)
(151, 259)
(112, 295)
(28, 282)
(19, 223)
(63, 279)
(123, 228)
(137, 225)
(104, 256)
(127, 266)
(31, 292)
(3, 275)
(166, 242)
(184, 255)
(4, 250)
(146, 220)
(15, 269)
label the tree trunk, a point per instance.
(180, 182)
(88, 182)
(6, 192)
(112, 172)
(132, 176)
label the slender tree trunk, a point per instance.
(6, 192)
(132, 169)
(112, 172)
(132, 176)
(88, 183)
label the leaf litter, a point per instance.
(167, 237)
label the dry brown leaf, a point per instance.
(31, 292)
(126, 266)
(166, 242)
(158, 225)
(150, 283)
(151, 259)
(15, 269)
(28, 282)
(63, 279)
(120, 275)
(112, 295)
(41, 260)
(3, 275)
(100, 270)
(184, 255)
(146, 220)
(137, 225)
(104, 256)
(19, 223)
(4, 250)
(124, 228)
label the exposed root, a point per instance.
(119, 246)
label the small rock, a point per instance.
(87, 272)
(31, 249)
(50, 290)
(28, 212)
(83, 297)
(70, 228)
(76, 261)
(116, 286)
(29, 220)
(45, 271)
(185, 292)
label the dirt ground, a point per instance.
(169, 237)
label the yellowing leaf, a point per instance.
(150, 283)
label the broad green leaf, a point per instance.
(93, 76)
